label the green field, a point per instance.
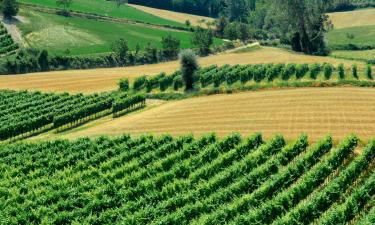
(362, 36)
(83, 36)
(355, 55)
(108, 8)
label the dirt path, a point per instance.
(11, 26)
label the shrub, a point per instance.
(355, 71)
(139, 83)
(177, 82)
(288, 71)
(369, 72)
(341, 71)
(314, 71)
(165, 82)
(328, 69)
(301, 70)
(124, 84)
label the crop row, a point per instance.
(6, 42)
(229, 75)
(23, 112)
(166, 180)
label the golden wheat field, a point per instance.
(315, 111)
(175, 16)
(98, 80)
(353, 18)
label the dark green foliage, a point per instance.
(9, 8)
(170, 47)
(139, 83)
(328, 70)
(314, 71)
(301, 70)
(288, 71)
(124, 84)
(369, 72)
(341, 70)
(165, 82)
(203, 39)
(189, 65)
(355, 71)
(177, 83)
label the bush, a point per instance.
(165, 82)
(328, 69)
(314, 71)
(301, 70)
(177, 83)
(341, 71)
(139, 83)
(124, 84)
(355, 71)
(369, 72)
(288, 71)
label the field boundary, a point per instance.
(94, 16)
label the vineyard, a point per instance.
(240, 76)
(183, 180)
(26, 113)
(7, 45)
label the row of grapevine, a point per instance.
(7, 44)
(22, 112)
(183, 180)
(229, 75)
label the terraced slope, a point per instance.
(184, 180)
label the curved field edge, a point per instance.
(315, 111)
(97, 80)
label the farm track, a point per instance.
(315, 111)
(98, 17)
(105, 79)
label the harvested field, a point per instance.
(315, 111)
(97, 80)
(174, 16)
(353, 18)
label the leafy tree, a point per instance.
(189, 65)
(121, 49)
(203, 39)
(43, 60)
(188, 23)
(171, 46)
(238, 10)
(221, 24)
(303, 23)
(9, 8)
(65, 4)
(151, 54)
(124, 84)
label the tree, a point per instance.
(303, 23)
(189, 65)
(43, 60)
(170, 47)
(9, 8)
(65, 4)
(121, 48)
(238, 10)
(203, 39)
(124, 84)
(221, 24)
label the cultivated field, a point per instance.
(315, 111)
(108, 8)
(80, 36)
(175, 16)
(353, 18)
(357, 55)
(106, 79)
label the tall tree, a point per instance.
(304, 23)
(203, 39)
(189, 65)
(9, 8)
(171, 46)
(239, 10)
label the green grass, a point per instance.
(355, 55)
(108, 8)
(83, 36)
(362, 36)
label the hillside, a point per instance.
(106, 79)
(315, 111)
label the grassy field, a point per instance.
(357, 55)
(362, 36)
(97, 80)
(82, 36)
(108, 8)
(355, 18)
(315, 111)
(175, 16)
